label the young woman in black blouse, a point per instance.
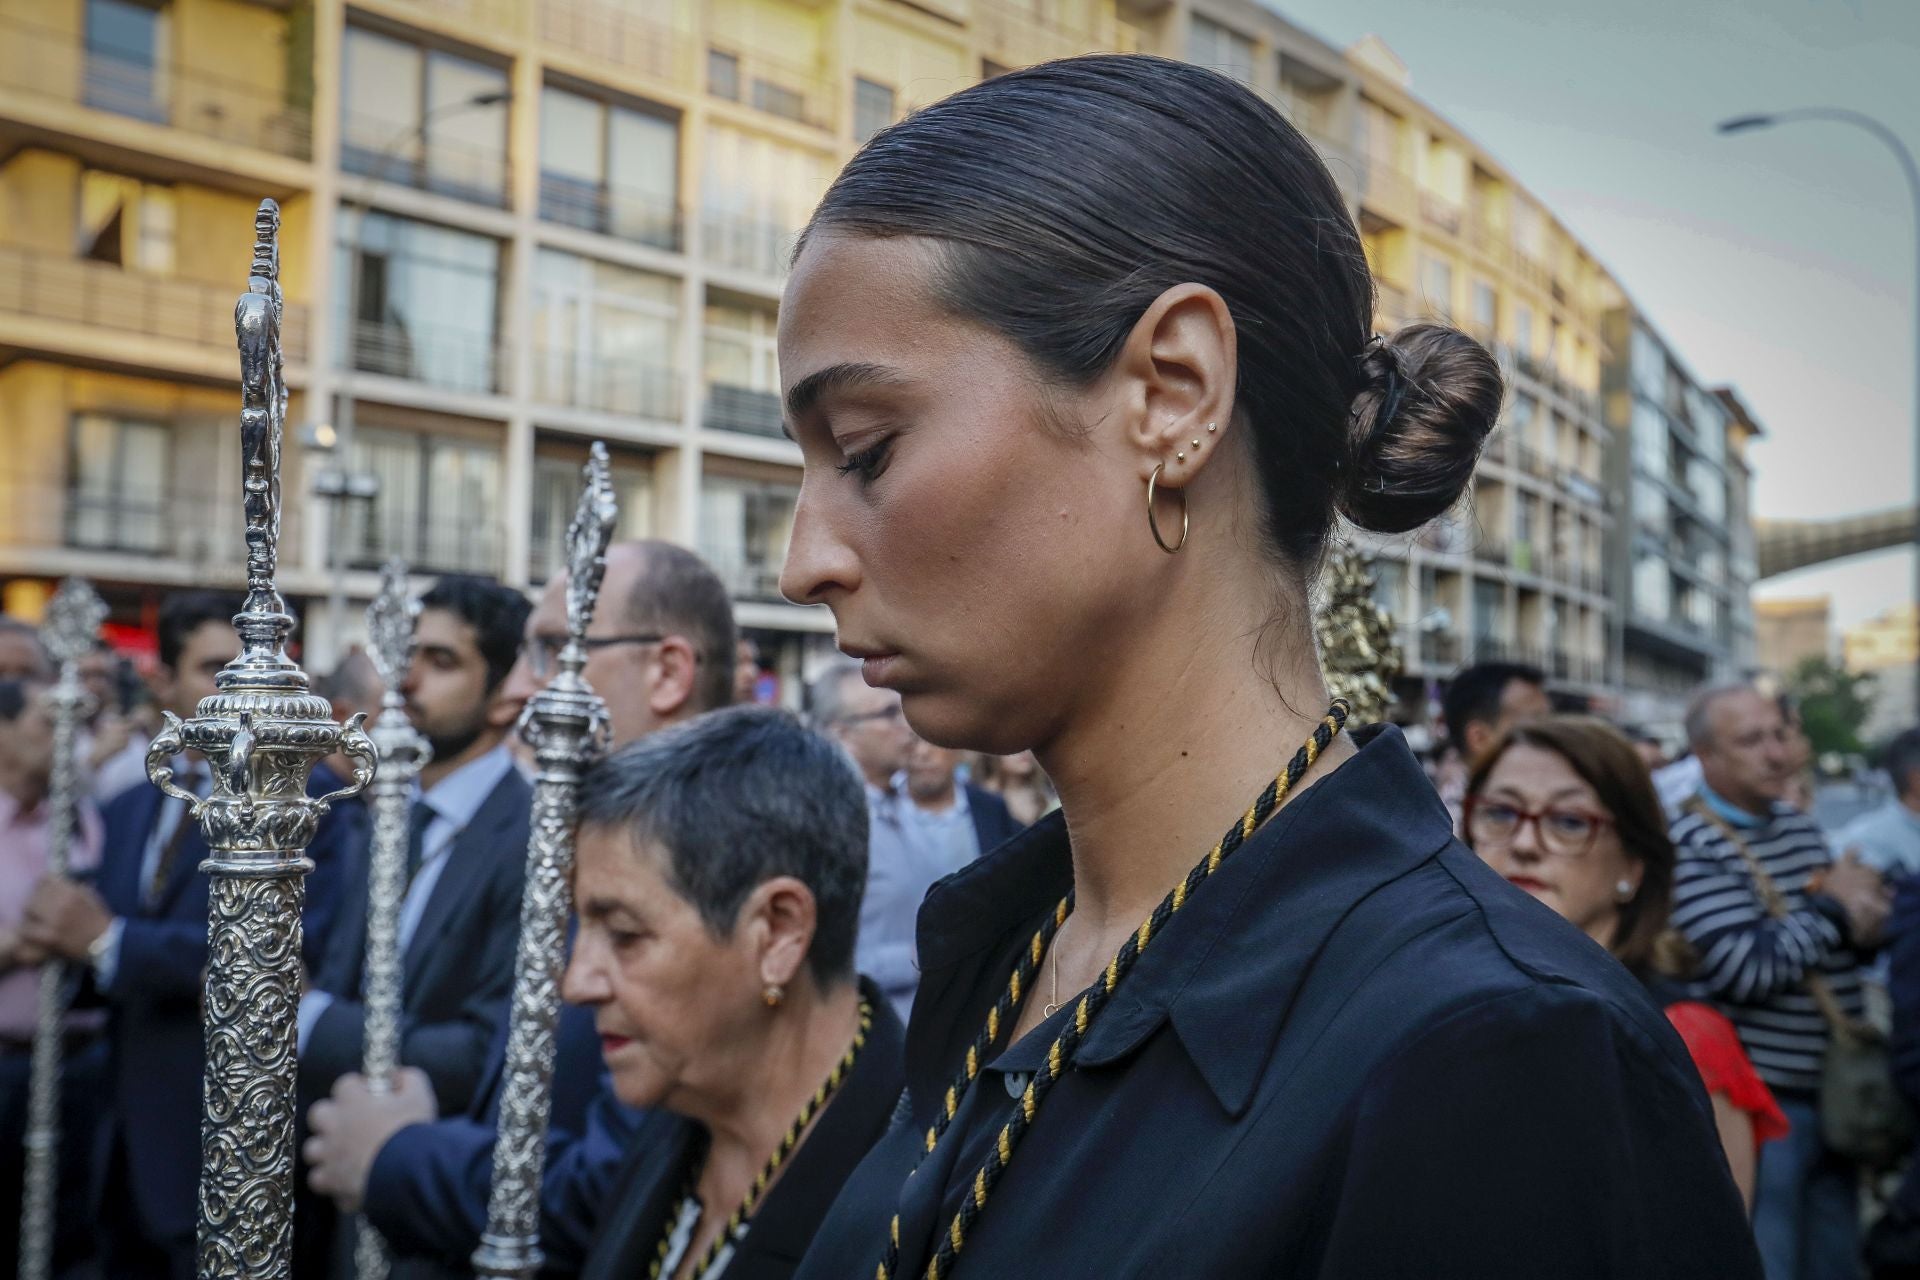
(1080, 364)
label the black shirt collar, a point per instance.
(1224, 970)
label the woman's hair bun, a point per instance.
(1428, 398)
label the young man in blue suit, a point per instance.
(141, 934)
(467, 856)
(661, 650)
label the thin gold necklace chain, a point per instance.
(788, 1141)
(1061, 1055)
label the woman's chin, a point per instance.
(948, 720)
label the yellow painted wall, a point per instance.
(39, 193)
(785, 33)
(918, 68)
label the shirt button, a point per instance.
(1017, 1082)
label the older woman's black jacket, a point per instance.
(1355, 1053)
(666, 1149)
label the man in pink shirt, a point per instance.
(26, 829)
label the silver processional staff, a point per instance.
(403, 753)
(261, 732)
(566, 725)
(72, 624)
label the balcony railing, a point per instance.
(743, 409)
(746, 243)
(609, 381)
(194, 98)
(99, 295)
(639, 216)
(435, 541)
(610, 30)
(1441, 212)
(438, 357)
(197, 526)
(748, 579)
(382, 149)
(1439, 649)
(1387, 190)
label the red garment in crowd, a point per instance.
(1724, 1068)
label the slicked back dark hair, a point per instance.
(497, 614)
(737, 797)
(1066, 197)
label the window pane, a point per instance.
(572, 161)
(723, 75)
(126, 55)
(644, 157)
(380, 109)
(463, 492)
(142, 496)
(872, 109)
(1221, 49)
(427, 302)
(466, 144)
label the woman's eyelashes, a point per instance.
(869, 462)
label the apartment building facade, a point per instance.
(515, 226)
(1683, 557)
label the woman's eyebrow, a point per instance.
(810, 390)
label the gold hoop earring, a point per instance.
(1154, 525)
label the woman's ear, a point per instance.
(1178, 368)
(781, 916)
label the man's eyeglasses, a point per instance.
(543, 652)
(891, 711)
(1569, 833)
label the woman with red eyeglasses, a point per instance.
(1565, 810)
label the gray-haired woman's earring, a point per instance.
(1625, 890)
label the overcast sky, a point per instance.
(1781, 261)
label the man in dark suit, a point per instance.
(467, 857)
(661, 650)
(467, 852)
(143, 936)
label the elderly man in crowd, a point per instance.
(1779, 925)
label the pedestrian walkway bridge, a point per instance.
(1786, 545)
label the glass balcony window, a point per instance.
(426, 302)
(437, 504)
(609, 169)
(408, 117)
(126, 56)
(873, 108)
(744, 528)
(605, 336)
(117, 484)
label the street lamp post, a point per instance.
(360, 206)
(1911, 170)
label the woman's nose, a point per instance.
(584, 982)
(819, 564)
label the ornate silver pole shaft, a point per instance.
(403, 753)
(261, 732)
(73, 620)
(566, 724)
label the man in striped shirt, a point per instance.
(1755, 957)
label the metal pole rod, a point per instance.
(566, 724)
(261, 732)
(403, 753)
(73, 620)
(1910, 170)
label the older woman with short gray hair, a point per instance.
(719, 873)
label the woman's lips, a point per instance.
(610, 1044)
(874, 670)
(1528, 883)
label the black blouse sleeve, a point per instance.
(1519, 1138)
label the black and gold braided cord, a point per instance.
(781, 1153)
(1061, 1055)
